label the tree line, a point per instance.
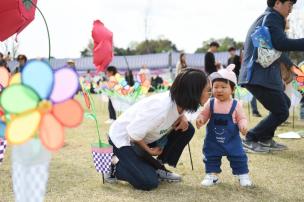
(163, 45)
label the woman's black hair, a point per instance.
(232, 85)
(112, 69)
(187, 89)
(271, 3)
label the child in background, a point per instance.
(110, 73)
(226, 119)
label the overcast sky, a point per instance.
(186, 22)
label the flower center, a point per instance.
(45, 106)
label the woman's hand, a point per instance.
(155, 151)
(181, 124)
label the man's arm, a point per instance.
(279, 38)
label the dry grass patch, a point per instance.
(278, 176)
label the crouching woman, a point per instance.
(155, 131)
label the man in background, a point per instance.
(210, 64)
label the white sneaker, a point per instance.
(110, 177)
(110, 121)
(209, 180)
(245, 180)
(165, 175)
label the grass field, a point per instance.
(278, 176)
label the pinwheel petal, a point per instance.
(39, 76)
(300, 79)
(51, 133)
(15, 79)
(18, 98)
(66, 84)
(68, 113)
(23, 127)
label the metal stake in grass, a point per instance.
(293, 117)
(190, 156)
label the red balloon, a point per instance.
(15, 15)
(103, 45)
(100, 33)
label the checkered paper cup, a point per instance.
(102, 157)
(2, 149)
(30, 171)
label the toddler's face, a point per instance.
(221, 90)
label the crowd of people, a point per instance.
(21, 59)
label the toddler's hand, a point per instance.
(199, 123)
(243, 130)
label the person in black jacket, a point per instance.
(266, 83)
(129, 77)
(210, 64)
(234, 59)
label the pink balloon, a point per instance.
(66, 85)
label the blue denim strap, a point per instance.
(234, 104)
(211, 105)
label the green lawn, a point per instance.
(278, 176)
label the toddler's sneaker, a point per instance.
(209, 180)
(245, 180)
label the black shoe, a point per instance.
(256, 114)
(254, 147)
(273, 145)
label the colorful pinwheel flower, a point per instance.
(243, 94)
(299, 80)
(41, 103)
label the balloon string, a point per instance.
(46, 25)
